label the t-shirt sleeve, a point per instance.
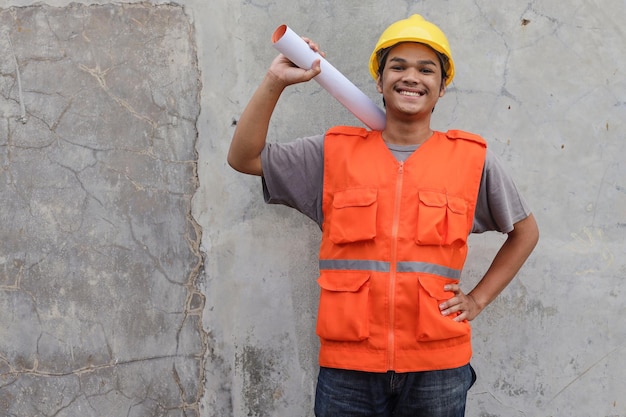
(293, 175)
(500, 205)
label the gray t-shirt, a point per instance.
(293, 175)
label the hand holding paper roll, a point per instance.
(298, 51)
(287, 73)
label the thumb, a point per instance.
(316, 68)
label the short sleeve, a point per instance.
(500, 204)
(293, 174)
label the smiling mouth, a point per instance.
(411, 93)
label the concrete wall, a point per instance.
(141, 276)
(100, 312)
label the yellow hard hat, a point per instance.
(414, 29)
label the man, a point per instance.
(395, 208)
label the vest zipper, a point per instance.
(393, 267)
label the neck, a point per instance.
(406, 133)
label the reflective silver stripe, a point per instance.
(380, 266)
(354, 265)
(425, 267)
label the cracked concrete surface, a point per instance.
(141, 276)
(99, 262)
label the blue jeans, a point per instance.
(342, 393)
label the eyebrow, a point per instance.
(420, 62)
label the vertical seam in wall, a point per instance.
(196, 300)
(22, 117)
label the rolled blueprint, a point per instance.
(298, 51)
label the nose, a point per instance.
(411, 75)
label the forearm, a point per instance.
(250, 134)
(508, 261)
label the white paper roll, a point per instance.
(298, 51)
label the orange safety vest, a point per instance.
(394, 233)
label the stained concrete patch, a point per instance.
(262, 380)
(99, 254)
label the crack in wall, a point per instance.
(100, 76)
(22, 117)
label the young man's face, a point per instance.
(411, 82)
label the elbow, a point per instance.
(251, 167)
(236, 164)
(534, 230)
(232, 162)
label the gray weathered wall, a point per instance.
(141, 276)
(544, 82)
(99, 309)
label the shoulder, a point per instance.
(347, 131)
(494, 163)
(461, 134)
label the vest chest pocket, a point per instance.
(344, 306)
(353, 216)
(431, 324)
(441, 219)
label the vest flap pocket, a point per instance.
(431, 324)
(431, 218)
(353, 215)
(442, 219)
(432, 198)
(355, 197)
(457, 205)
(343, 314)
(434, 287)
(347, 281)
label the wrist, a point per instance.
(480, 303)
(274, 83)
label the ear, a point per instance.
(442, 90)
(379, 84)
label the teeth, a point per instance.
(411, 93)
